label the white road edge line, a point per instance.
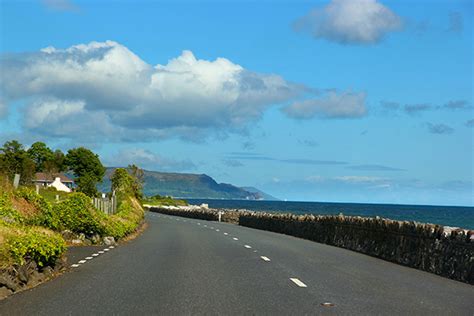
(217, 230)
(75, 265)
(95, 254)
(106, 249)
(265, 258)
(235, 238)
(111, 247)
(100, 251)
(89, 258)
(226, 234)
(298, 282)
(247, 246)
(82, 261)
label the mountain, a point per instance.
(263, 195)
(188, 186)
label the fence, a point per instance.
(106, 205)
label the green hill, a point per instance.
(188, 186)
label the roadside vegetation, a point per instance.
(35, 229)
(158, 200)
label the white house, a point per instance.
(58, 180)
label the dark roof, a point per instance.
(49, 177)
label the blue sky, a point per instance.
(352, 101)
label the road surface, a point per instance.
(184, 266)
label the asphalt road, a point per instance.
(186, 266)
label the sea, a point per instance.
(455, 216)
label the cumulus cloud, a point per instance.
(106, 82)
(350, 22)
(439, 128)
(148, 160)
(332, 105)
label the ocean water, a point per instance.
(456, 216)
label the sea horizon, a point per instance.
(446, 215)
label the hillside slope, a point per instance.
(187, 185)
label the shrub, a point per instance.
(78, 215)
(42, 247)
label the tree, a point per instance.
(14, 159)
(87, 167)
(40, 154)
(56, 164)
(87, 185)
(138, 176)
(122, 181)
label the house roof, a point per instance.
(49, 177)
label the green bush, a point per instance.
(41, 247)
(78, 215)
(126, 220)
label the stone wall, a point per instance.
(445, 251)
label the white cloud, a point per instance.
(148, 160)
(350, 21)
(187, 97)
(332, 105)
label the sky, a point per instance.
(334, 101)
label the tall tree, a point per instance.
(87, 167)
(56, 164)
(14, 159)
(40, 154)
(138, 176)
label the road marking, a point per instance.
(100, 251)
(205, 225)
(226, 234)
(247, 246)
(82, 261)
(75, 265)
(106, 249)
(217, 230)
(111, 247)
(199, 223)
(265, 258)
(235, 238)
(298, 282)
(212, 227)
(95, 254)
(89, 258)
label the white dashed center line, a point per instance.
(95, 254)
(247, 246)
(106, 249)
(75, 265)
(226, 234)
(298, 282)
(100, 251)
(111, 247)
(88, 258)
(82, 261)
(205, 225)
(265, 258)
(217, 230)
(199, 223)
(235, 238)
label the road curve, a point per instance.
(186, 266)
